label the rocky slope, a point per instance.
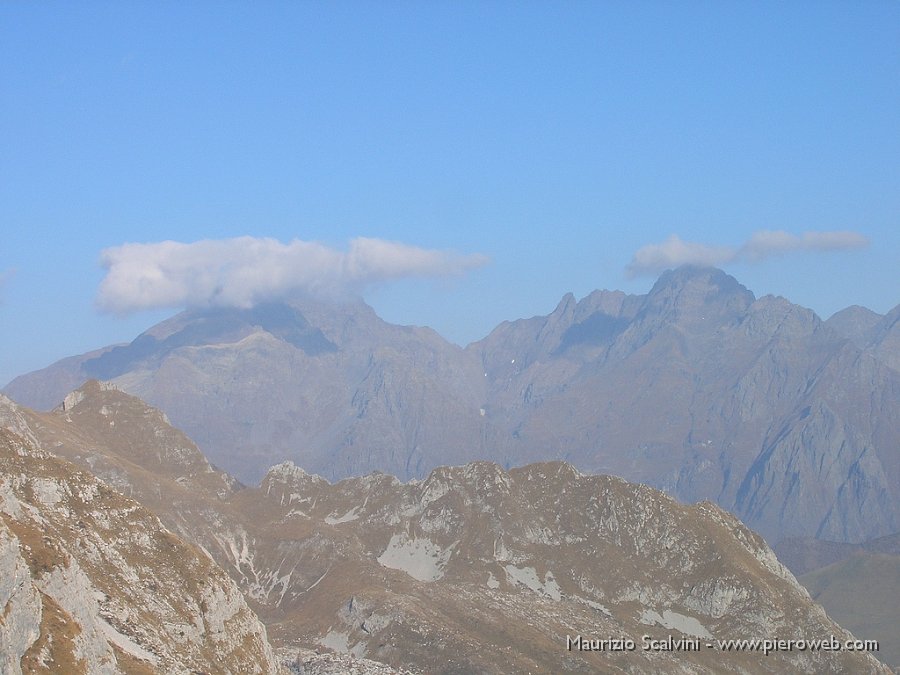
(474, 569)
(90, 582)
(476, 566)
(698, 388)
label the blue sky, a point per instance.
(554, 139)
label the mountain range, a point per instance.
(697, 388)
(472, 569)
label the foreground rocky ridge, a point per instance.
(91, 582)
(478, 566)
(697, 387)
(474, 569)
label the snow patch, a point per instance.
(339, 642)
(421, 559)
(675, 621)
(351, 515)
(528, 577)
(126, 644)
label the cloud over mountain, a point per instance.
(243, 271)
(764, 243)
(654, 258)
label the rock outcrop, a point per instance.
(91, 582)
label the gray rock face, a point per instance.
(90, 582)
(697, 388)
(21, 601)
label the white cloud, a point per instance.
(654, 258)
(764, 243)
(674, 252)
(243, 271)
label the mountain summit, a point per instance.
(697, 387)
(700, 291)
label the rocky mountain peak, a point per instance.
(90, 390)
(210, 326)
(122, 424)
(690, 292)
(13, 418)
(287, 476)
(565, 307)
(687, 276)
(855, 323)
(773, 316)
(885, 338)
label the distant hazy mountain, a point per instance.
(705, 391)
(804, 555)
(331, 384)
(474, 569)
(861, 592)
(886, 338)
(857, 584)
(855, 323)
(697, 387)
(868, 330)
